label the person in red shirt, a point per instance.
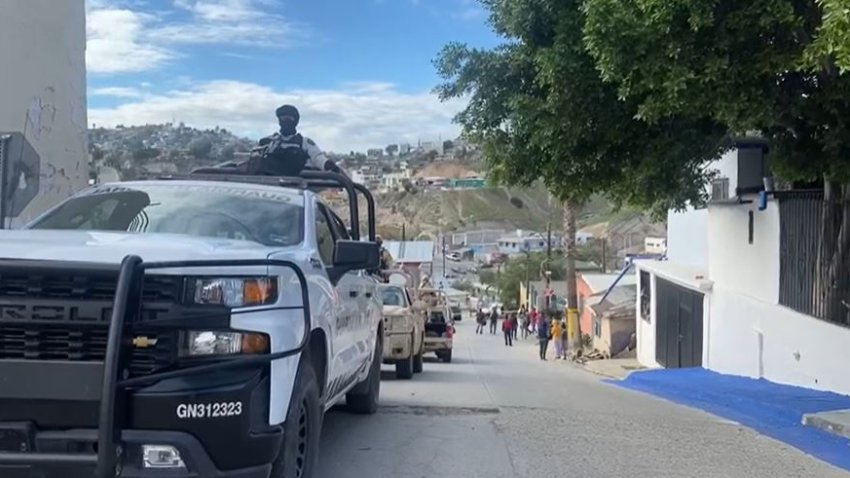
(508, 330)
(534, 317)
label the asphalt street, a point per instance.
(498, 412)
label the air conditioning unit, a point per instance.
(720, 189)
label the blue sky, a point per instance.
(360, 70)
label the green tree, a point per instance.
(538, 108)
(227, 152)
(200, 148)
(764, 66)
(392, 149)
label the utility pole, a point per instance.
(604, 255)
(548, 251)
(444, 255)
(571, 209)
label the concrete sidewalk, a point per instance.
(771, 409)
(613, 368)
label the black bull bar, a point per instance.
(127, 298)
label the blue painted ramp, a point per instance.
(769, 408)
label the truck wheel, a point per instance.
(419, 359)
(363, 398)
(300, 447)
(447, 356)
(404, 368)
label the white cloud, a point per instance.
(117, 92)
(116, 45)
(357, 116)
(124, 39)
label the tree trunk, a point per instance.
(833, 285)
(571, 210)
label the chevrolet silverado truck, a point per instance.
(404, 331)
(195, 325)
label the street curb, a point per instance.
(601, 374)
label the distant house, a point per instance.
(655, 245)
(535, 294)
(613, 321)
(589, 286)
(583, 237)
(519, 242)
(412, 256)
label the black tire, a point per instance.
(302, 429)
(404, 368)
(419, 359)
(447, 356)
(363, 398)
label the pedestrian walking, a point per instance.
(494, 318)
(524, 323)
(507, 329)
(556, 338)
(534, 318)
(481, 321)
(514, 325)
(563, 339)
(543, 337)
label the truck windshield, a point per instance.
(393, 296)
(218, 211)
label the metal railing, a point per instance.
(813, 274)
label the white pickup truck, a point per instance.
(190, 327)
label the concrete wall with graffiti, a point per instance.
(43, 93)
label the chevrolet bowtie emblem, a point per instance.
(142, 342)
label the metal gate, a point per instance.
(678, 340)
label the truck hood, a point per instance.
(394, 311)
(111, 247)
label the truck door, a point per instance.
(344, 339)
(364, 304)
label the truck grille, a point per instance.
(83, 287)
(82, 345)
(65, 316)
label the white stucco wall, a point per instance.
(43, 94)
(734, 263)
(645, 329)
(756, 339)
(687, 237)
(727, 167)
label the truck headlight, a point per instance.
(201, 343)
(235, 291)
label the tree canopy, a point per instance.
(539, 108)
(772, 66)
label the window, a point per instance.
(393, 296)
(720, 189)
(324, 236)
(645, 296)
(339, 227)
(597, 327)
(269, 217)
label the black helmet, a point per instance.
(288, 110)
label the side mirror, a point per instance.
(356, 255)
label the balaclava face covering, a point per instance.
(287, 118)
